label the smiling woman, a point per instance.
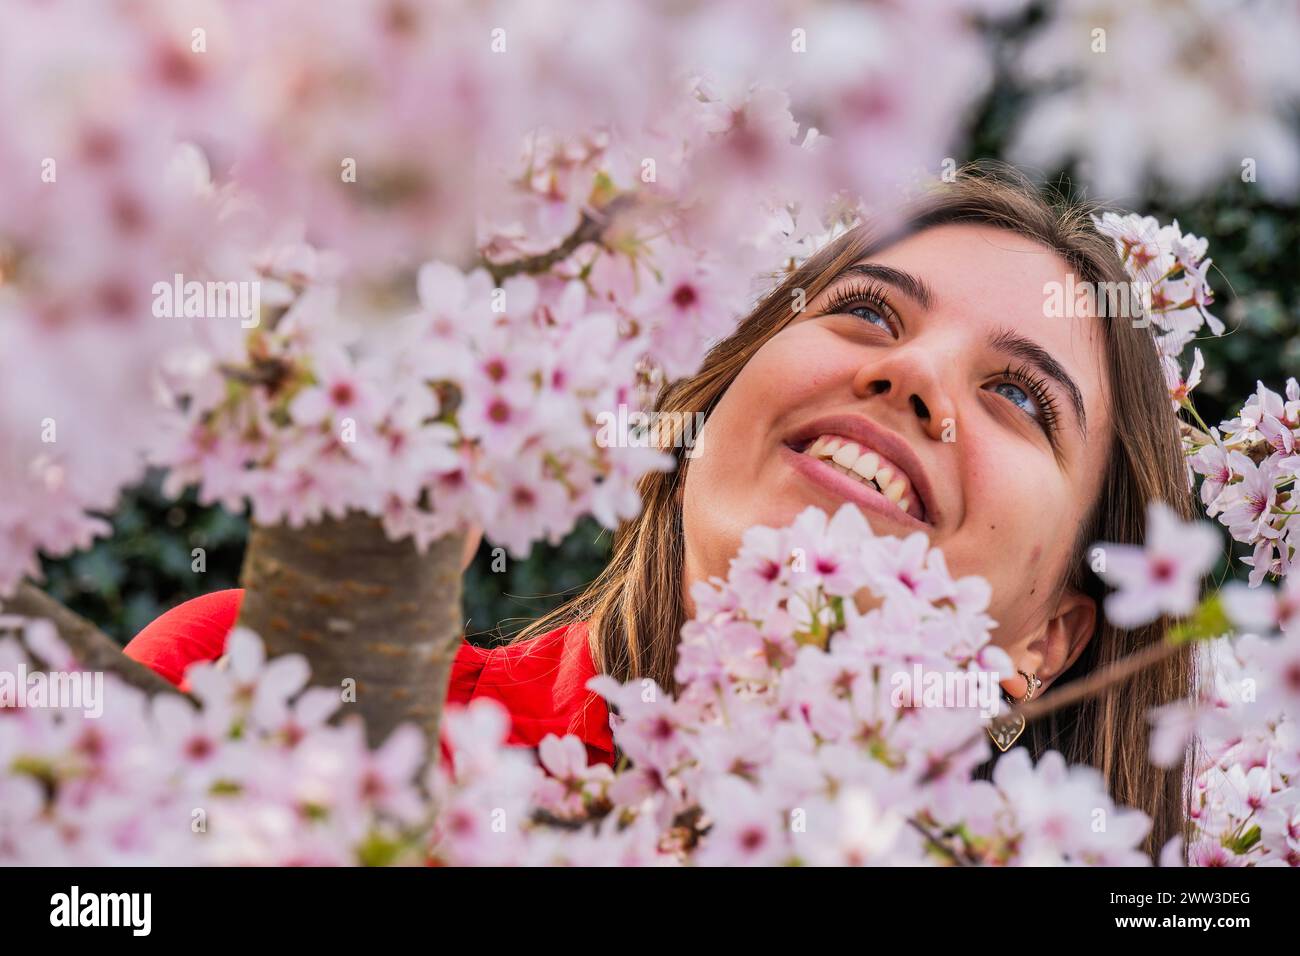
(927, 382)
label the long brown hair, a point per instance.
(635, 610)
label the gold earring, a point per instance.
(1005, 731)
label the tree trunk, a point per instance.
(367, 613)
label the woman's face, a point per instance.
(933, 359)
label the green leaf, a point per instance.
(378, 850)
(1242, 844)
(1207, 622)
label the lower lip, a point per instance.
(842, 486)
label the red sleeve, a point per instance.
(541, 682)
(197, 631)
(189, 632)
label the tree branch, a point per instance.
(1256, 451)
(1115, 673)
(1099, 680)
(589, 229)
(92, 647)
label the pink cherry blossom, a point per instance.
(1162, 577)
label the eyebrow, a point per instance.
(914, 287)
(1016, 345)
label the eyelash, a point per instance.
(1038, 390)
(856, 295)
(873, 295)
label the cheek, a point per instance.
(1022, 515)
(735, 481)
(797, 365)
(797, 370)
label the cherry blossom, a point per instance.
(1164, 576)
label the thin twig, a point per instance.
(1195, 434)
(591, 228)
(1114, 673)
(934, 841)
(1092, 685)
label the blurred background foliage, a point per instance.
(145, 566)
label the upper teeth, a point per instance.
(865, 465)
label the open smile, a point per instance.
(864, 467)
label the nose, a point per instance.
(908, 380)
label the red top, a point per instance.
(542, 681)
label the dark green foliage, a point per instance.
(498, 603)
(146, 565)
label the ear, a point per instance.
(1053, 649)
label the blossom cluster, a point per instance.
(1223, 64)
(1245, 748)
(1170, 268)
(789, 741)
(1246, 798)
(655, 158)
(1248, 465)
(798, 735)
(1245, 472)
(658, 157)
(251, 773)
(801, 732)
(452, 413)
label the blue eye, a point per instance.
(867, 303)
(1017, 396)
(1029, 393)
(870, 313)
